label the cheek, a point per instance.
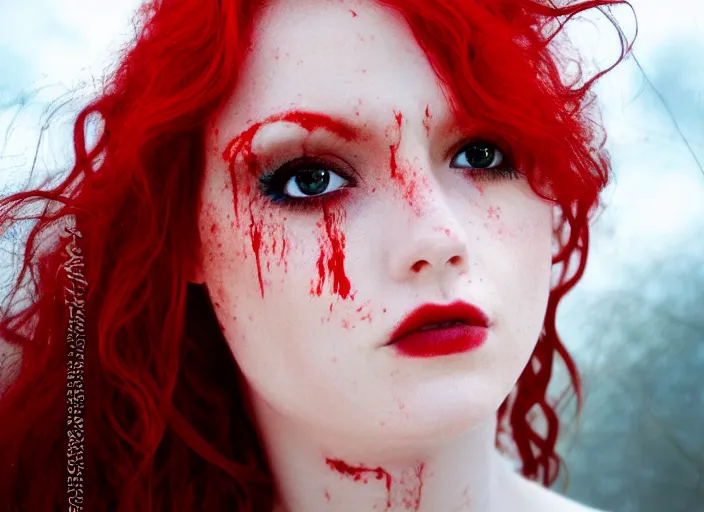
(512, 215)
(250, 253)
(518, 237)
(530, 247)
(250, 244)
(530, 241)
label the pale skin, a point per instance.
(326, 392)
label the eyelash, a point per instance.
(273, 184)
(505, 170)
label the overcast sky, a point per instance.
(654, 207)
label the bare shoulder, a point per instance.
(547, 500)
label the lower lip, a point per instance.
(441, 342)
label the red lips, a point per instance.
(436, 330)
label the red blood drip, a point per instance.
(336, 261)
(426, 120)
(242, 144)
(394, 147)
(331, 260)
(407, 492)
(415, 503)
(255, 233)
(409, 187)
(283, 254)
(354, 14)
(361, 473)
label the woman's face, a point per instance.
(339, 196)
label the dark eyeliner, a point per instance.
(272, 184)
(506, 170)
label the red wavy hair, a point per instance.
(166, 424)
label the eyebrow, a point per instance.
(311, 121)
(308, 120)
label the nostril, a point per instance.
(455, 260)
(418, 265)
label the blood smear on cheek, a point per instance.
(241, 147)
(255, 233)
(269, 240)
(331, 259)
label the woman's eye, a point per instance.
(313, 182)
(305, 178)
(478, 155)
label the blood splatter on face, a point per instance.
(408, 180)
(426, 120)
(255, 234)
(331, 261)
(241, 146)
(310, 290)
(440, 229)
(332, 256)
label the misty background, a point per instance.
(635, 323)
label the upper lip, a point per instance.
(433, 314)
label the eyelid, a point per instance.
(329, 162)
(279, 153)
(463, 142)
(279, 176)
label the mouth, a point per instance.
(441, 325)
(436, 330)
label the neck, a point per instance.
(311, 472)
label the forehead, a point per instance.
(334, 56)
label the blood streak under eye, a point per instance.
(331, 249)
(332, 252)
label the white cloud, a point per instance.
(64, 41)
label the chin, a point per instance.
(437, 417)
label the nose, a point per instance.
(435, 244)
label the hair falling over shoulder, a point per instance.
(166, 426)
